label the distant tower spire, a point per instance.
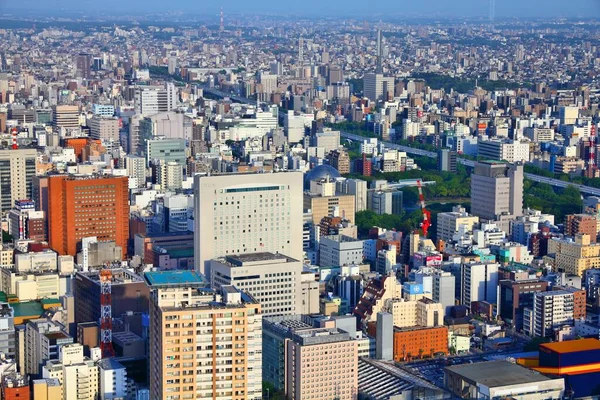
(492, 11)
(379, 53)
(222, 22)
(301, 50)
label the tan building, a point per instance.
(47, 389)
(423, 312)
(105, 129)
(582, 224)
(321, 364)
(568, 165)
(340, 161)
(186, 323)
(449, 223)
(65, 117)
(326, 206)
(77, 374)
(573, 257)
(376, 296)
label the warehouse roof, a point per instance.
(497, 373)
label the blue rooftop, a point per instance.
(173, 278)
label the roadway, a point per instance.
(587, 190)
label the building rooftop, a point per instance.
(572, 346)
(28, 309)
(497, 373)
(57, 335)
(245, 260)
(109, 364)
(173, 278)
(416, 328)
(120, 276)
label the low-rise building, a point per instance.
(501, 379)
(419, 342)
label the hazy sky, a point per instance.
(524, 8)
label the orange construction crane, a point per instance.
(426, 213)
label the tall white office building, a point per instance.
(151, 100)
(479, 282)
(247, 213)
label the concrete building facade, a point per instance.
(247, 213)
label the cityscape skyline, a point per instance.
(435, 8)
(240, 201)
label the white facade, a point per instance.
(113, 379)
(479, 283)
(274, 280)
(511, 151)
(338, 250)
(77, 374)
(247, 213)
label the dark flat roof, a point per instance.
(497, 373)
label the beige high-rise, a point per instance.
(247, 213)
(321, 364)
(17, 169)
(77, 374)
(202, 344)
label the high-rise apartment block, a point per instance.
(515, 296)
(582, 224)
(202, 344)
(274, 280)
(136, 170)
(77, 374)
(83, 63)
(550, 310)
(247, 213)
(17, 169)
(573, 256)
(497, 190)
(309, 362)
(83, 206)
